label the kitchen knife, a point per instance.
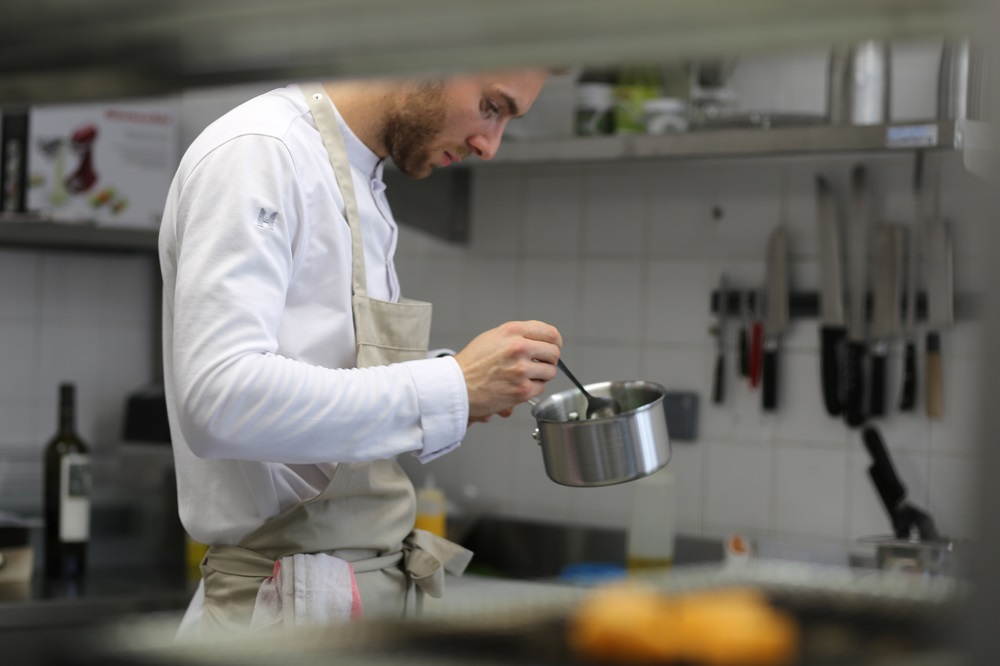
(889, 241)
(833, 331)
(908, 389)
(940, 314)
(777, 314)
(719, 387)
(854, 383)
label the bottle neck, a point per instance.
(67, 410)
(67, 423)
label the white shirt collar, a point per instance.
(358, 153)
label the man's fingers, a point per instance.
(542, 332)
(540, 371)
(544, 353)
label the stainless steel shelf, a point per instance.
(749, 142)
(35, 232)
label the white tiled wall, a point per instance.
(64, 316)
(622, 258)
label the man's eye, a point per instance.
(492, 109)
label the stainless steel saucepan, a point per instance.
(602, 451)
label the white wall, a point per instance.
(623, 258)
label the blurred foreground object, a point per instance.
(635, 623)
(54, 50)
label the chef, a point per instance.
(296, 372)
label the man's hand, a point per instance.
(508, 365)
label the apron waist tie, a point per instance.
(237, 561)
(425, 558)
(428, 557)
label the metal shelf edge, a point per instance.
(744, 142)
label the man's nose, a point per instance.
(486, 144)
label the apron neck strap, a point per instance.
(321, 108)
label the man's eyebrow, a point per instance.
(511, 104)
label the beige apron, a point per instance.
(366, 513)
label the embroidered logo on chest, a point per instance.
(266, 221)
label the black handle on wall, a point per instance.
(908, 394)
(832, 350)
(876, 406)
(854, 384)
(770, 375)
(719, 384)
(744, 351)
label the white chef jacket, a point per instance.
(259, 348)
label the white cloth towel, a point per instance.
(307, 590)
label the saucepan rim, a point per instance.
(598, 389)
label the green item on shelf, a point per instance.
(635, 85)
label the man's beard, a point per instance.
(413, 127)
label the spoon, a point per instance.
(596, 407)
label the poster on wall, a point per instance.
(109, 164)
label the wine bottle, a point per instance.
(67, 494)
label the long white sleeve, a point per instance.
(237, 396)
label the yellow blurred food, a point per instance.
(635, 623)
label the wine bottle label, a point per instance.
(74, 498)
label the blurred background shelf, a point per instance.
(36, 232)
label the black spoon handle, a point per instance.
(572, 378)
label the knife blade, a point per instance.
(854, 384)
(889, 241)
(719, 379)
(940, 312)
(777, 314)
(908, 390)
(833, 330)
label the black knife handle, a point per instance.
(908, 393)
(756, 347)
(854, 384)
(934, 378)
(831, 349)
(719, 381)
(769, 392)
(744, 345)
(876, 398)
